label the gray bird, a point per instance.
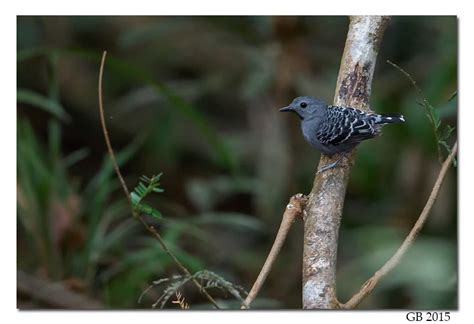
(334, 129)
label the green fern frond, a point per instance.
(144, 188)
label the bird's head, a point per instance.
(305, 107)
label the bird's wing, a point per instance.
(346, 125)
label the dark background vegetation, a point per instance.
(196, 98)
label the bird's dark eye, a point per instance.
(303, 105)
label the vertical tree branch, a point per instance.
(326, 200)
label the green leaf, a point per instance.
(446, 146)
(141, 191)
(448, 149)
(148, 210)
(134, 197)
(40, 101)
(447, 132)
(435, 117)
(76, 156)
(454, 95)
(25, 54)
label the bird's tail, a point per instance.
(389, 118)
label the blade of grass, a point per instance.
(35, 99)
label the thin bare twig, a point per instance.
(370, 284)
(294, 208)
(151, 229)
(429, 109)
(409, 77)
(106, 134)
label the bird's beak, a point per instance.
(287, 108)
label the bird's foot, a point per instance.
(331, 165)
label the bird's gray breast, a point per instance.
(310, 128)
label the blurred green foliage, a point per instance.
(197, 98)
